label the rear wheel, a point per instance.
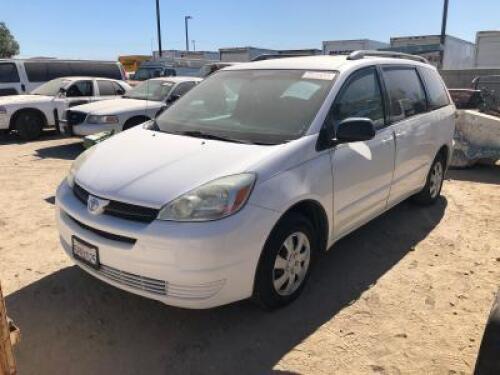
(29, 125)
(432, 189)
(285, 262)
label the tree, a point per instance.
(8, 45)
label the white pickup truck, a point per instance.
(144, 102)
(29, 114)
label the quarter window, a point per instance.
(106, 88)
(80, 88)
(437, 95)
(8, 73)
(361, 97)
(406, 94)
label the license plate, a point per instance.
(85, 252)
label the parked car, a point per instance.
(44, 107)
(211, 68)
(21, 76)
(144, 102)
(235, 190)
(153, 69)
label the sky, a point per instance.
(104, 29)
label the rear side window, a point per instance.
(361, 97)
(106, 88)
(437, 95)
(45, 71)
(8, 73)
(119, 90)
(406, 94)
(36, 71)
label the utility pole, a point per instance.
(443, 31)
(186, 19)
(194, 44)
(160, 52)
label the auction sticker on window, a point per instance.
(324, 76)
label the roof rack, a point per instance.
(357, 55)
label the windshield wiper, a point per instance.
(199, 134)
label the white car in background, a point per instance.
(144, 102)
(236, 189)
(45, 106)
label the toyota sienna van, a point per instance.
(234, 191)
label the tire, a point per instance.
(281, 273)
(432, 189)
(29, 125)
(134, 121)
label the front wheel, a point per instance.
(432, 189)
(29, 125)
(285, 262)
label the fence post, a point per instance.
(7, 362)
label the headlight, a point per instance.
(214, 200)
(102, 120)
(76, 166)
(3, 110)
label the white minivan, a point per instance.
(235, 190)
(21, 76)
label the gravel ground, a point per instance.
(408, 293)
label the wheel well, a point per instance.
(134, 119)
(444, 151)
(23, 110)
(314, 212)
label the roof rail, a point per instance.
(357, 55)
(271, 56)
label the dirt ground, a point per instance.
(408, 293)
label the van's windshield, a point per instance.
(256, 106)
(51, 88)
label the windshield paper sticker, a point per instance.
(325, 76)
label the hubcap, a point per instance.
(291, 264)
(436, 179)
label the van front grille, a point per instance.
(107, 235)
(144, 283)
(119, 209)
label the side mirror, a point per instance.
(355, 129)
(120, 92)
(62, 91)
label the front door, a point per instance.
(362, 171)
(80, 92)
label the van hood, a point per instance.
(117, 106)
(24, 99)
(151, 168)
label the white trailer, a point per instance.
(345, 47)
(457, 53)
(488, 49)
(243, 54)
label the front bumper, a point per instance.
(192, 265)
